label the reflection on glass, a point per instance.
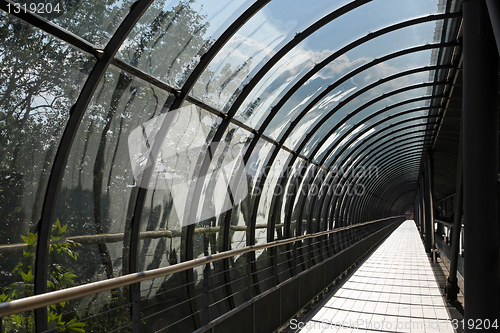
(98, 191)
(344, 64)
(172, 36)
(40, 79)
(164, 214)
(95, 21)
(314, 49)
(258, 40)
(365, 131)
(380, 130)
(359, 104)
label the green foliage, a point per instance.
(60, 277)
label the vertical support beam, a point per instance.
(452, 285)
(480, 149)
(422, 206)
(429, 216)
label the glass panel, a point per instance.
(361, 128)
(257, 161)
(98, 189)
(376, 165)
(164, 212)
(321, 202)
(339, 116)
(95, 21)
(291, 189)
(40, 79)
(416, 125)
(269, 191)
(285, 253)
(223, 189)
(298, 215)
(241, 272)
(168, 206)
(369, 17)
(312, 201)
(252, 46)
(172, 36)
(343, 65)
(373, 138)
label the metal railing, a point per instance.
(54, 297)
(119, 237)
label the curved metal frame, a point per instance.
(396, 155)
(409, 160)
(366, 203)
(387, 160)
(106, 57)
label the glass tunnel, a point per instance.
(190, 165)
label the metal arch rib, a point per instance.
(205, 158)
(330, 151)
(358, 110)
(56, 175)
(366, 201)
(51, 28)
(371, 102)
(138, 205)
(389, 157)
(359, 162)
(275, 152)
(384, 130)
(388, 154)
(365, 130)
(385, 143)
(351, 46)
(402, 156)
(409, 178)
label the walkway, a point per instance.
(394, 290)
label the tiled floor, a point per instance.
(394, 290)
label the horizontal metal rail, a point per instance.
(448, 224)
(118, 237)
(54, 297)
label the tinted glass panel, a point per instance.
(96, 21)
(40, 79)
(351, 60)
(257, 41)
(369, 17)
(172, 36)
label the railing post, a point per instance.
(452, 285)
(423, 206)
(429, 216)
(480, 163)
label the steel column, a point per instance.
(429, 216)
(480, 158)
(451, 285)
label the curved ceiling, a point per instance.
(154, 94)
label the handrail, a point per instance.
(448, 224)
(118, 237)
(58, 296)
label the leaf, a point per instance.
(27, 277)
(3, 297)
(75, 326)
(28, 254)
(31, 239)
(60, 229)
